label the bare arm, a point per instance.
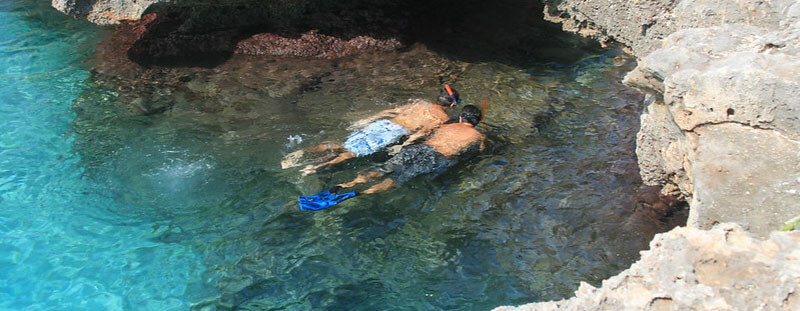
(417, 136)
(411, 140)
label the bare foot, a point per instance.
(348, 184)
(362, 178)
(308, 170)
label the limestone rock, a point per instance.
(641, 25)
(724, 122)
(725, 268)
(104, 12)
(745, 175)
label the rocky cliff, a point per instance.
(722, 121)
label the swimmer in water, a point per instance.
(434, 155)
(387, 128)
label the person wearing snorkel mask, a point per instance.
(434, 155)
(412, 121)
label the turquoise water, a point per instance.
(104, 207)
(61, 247)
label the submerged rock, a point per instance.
(725, 268)
(312, 44)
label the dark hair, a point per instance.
(444, 99)
(470, 114)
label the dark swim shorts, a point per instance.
(413, 161)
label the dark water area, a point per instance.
(165, 190)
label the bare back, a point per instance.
(453, 139)
(420, 116)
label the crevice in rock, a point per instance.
(646, 27)
(694, 129)
(708, 124)
(669, 208)
(770, 46)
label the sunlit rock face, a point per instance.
(641, 25)
(109, 12)
(105, 12)
(731, 92)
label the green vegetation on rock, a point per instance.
(793, 224)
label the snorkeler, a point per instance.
(415, 120)
(434, 155)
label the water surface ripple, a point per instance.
(128, 188)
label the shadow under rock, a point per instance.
(512, 32)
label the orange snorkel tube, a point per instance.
(451, 93)
(483, 110)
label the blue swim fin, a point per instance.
(322, 200)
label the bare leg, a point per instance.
(362, 178)
(294, 159)
(386, 184)
(339, 159)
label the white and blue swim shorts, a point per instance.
(374, 137)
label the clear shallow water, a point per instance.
(109, 204)
(62, 245)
